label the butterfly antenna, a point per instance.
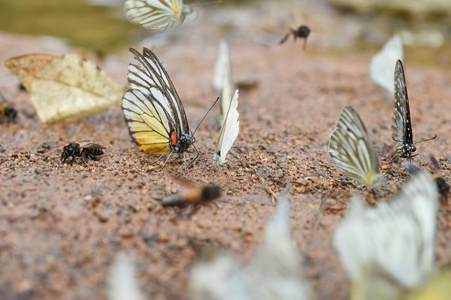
(204, 119)
(426, 139)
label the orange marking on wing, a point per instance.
(173, 138)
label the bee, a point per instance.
(196, 195)
(7, 110)
(84, 149)
(301, 32)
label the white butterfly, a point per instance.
(382, 66)
(154, 14)
(222, 79)
(391, 246)
(352, 151)
(229, 131)
(274, 273)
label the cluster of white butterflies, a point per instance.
(274, 273)
(350, 148)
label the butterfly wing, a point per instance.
(229, 131)
(402, 126)
(152, 108)
(392, 244)
(382, 64)
(154, 14)
(352, 151)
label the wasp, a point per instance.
(7, 110)
(83, 149)
(300, 32)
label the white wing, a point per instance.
(382, 65)
(222, 79)
(222, 62)
(229, 131)
(154, 14)
(352, 151)
(122, 283)
(392, 242)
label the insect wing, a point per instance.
(382, 66)
(152, 107)
(352, 151)
(229, 131)
(402, 127)
(90, 145)
(394, 240)
(154, 14)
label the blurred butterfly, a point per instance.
(65, 88)
(391, 247)
(229, 131)
(382, 66)
(402, 125)
(222, 79)
(352, 151)
(301, 32)
(154, 14)
(152, 109)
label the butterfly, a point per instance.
(222, 79)
(402, 125)
(154, 14)
(301, 32)
(352, 151)
(382, 64)
(391, 247)
(229, 131)
(152, 109)
(65, 88)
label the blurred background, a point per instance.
(338, 26)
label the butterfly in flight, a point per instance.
(352, 151)
(155, 14)
(301, 32)
(382, 66)
(402, 125)
(152, 109)
(229, 131)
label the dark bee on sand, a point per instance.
(83, 149)
(301, 32)
(7, 111)
(195, 196)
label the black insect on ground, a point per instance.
(301, 32)
(84, 149)
(6, 110)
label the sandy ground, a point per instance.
(61, 225)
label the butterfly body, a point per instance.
(152, 109)
(402, 124)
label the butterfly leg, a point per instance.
(197, 156)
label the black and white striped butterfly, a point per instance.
(352, 151)
(152, 109)
(402, 125)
